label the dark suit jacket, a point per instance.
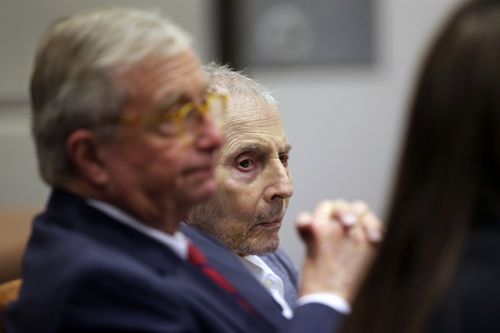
(307, 318)
(85, 272)
(472, 302)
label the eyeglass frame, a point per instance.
(181, 114)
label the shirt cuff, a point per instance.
(331, 300)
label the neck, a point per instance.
(166, 219)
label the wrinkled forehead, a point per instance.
(250, 119)
(246, 108)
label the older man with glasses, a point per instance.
(127, 135)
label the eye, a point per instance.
(284, 159)
(245, 164)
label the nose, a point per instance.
(209, 135)
(281, 183)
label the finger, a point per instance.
(353, 212)
(340, 206)
(359, 207)
(324, 212)
(304, 218)
(373, 227)
(357, 233)
(348, 219)
(345, 213)
(303, 224)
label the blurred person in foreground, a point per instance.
(126, 133)
(439, 265)
(253, 187)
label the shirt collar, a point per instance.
(177, 242)
(263, 273)
(270, 280)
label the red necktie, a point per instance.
(197, 258)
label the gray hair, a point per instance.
(74, 81)
(235, 84)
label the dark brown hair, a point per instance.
(448, 175)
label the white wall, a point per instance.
(344, 123)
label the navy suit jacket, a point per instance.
(85, 272)
(312, 317)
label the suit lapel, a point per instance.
(72, 212)
(233, 270)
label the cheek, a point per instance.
(238, 202)
(122, 164)
(166, 159)
(157, 171)
(243, 196)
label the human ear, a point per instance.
(82, 147)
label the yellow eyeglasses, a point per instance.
(185, 119)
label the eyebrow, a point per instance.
(257, 148)
(286, 148)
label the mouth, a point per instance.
(272, 223)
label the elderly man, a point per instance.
(253, 186)
(126, 135)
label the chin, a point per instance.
(267, 246)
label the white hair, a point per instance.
(234, 83)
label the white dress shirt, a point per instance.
(272, 282)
